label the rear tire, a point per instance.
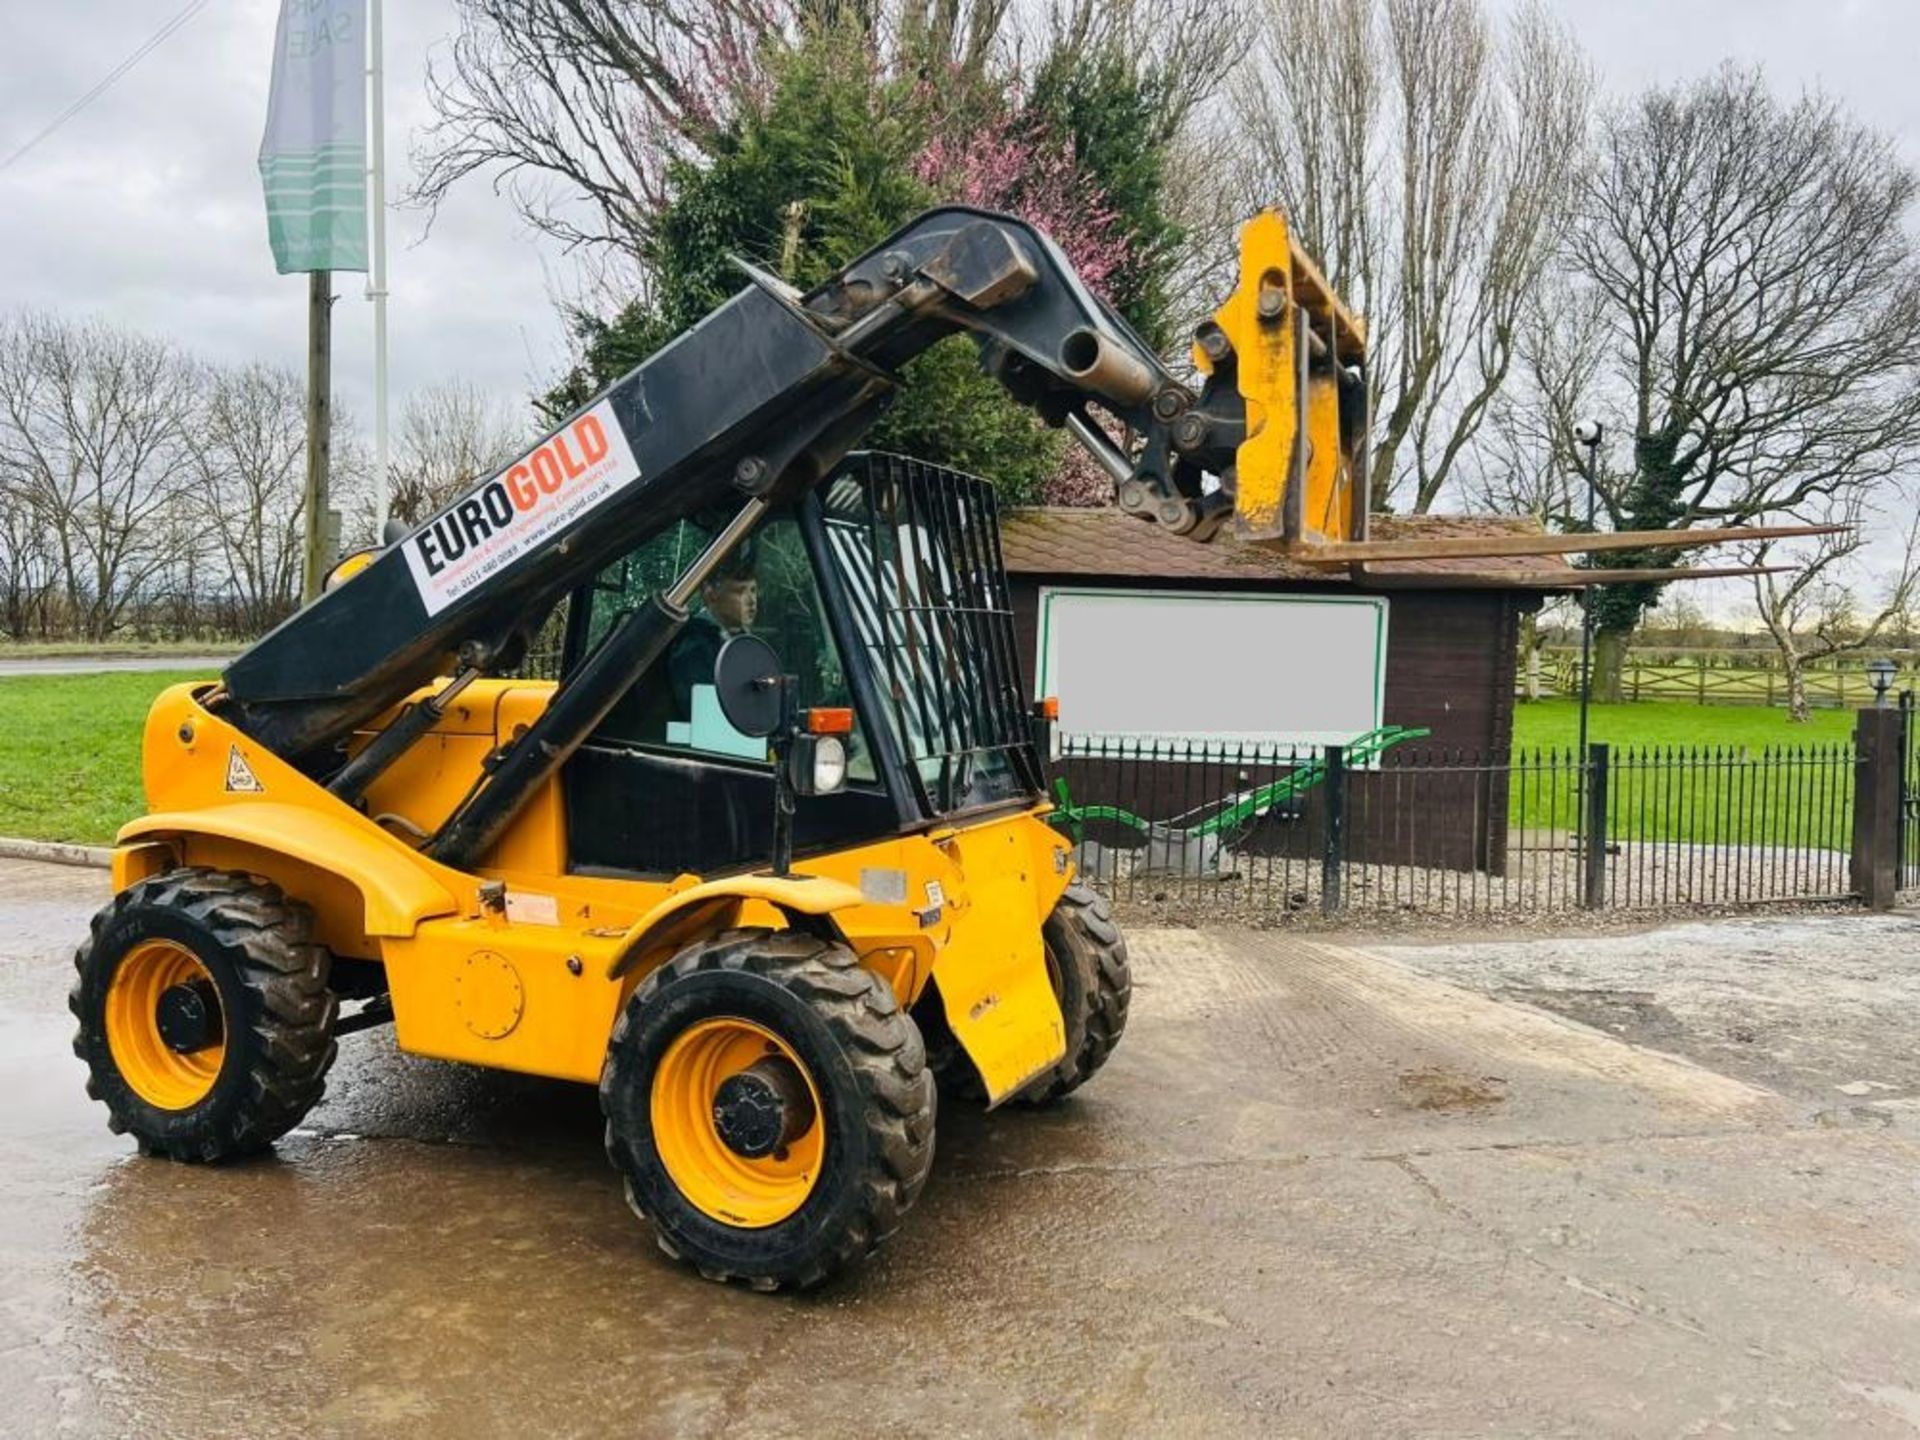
(1087, 959)
(1087, 966)
(258, 983)
(842, 1176)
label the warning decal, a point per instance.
(240, 777)
(533, 499)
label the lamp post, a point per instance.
(1881, 673)
(1586, 439)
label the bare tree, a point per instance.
(1522, 460)
(1183, 50)
(250, 450)
(93, 432)
(451, 435)
(578, 108)
(1426, 157)
(1814, 611)
(1761, 293)
(27, 572)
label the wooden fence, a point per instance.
(1724, 678)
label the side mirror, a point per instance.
(747, 683)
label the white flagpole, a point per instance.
(377, 277)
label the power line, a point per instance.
(146, 48)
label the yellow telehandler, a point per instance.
(773, 848)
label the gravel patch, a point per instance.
(1821, 1007)
(1648, 877)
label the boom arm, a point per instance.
(758, 401)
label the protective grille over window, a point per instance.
(919, 548)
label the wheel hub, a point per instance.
(164, 1026)
(762, 1108)
(188, 1016)
(738, 1122)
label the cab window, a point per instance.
(766, 588)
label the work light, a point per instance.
(817, 764)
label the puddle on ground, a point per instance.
(1438, 1088)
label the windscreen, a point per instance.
(917, 548)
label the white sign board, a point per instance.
(1278, 670)
(508, 516)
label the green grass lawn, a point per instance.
(1555, 724)
(70, 752)
(1771, 782)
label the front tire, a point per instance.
(769, 1107)
(204, 1014)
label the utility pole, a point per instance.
(313, 171)
(319, 558)
(377, 278)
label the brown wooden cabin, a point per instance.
(1450, 668)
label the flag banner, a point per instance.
(313, 158)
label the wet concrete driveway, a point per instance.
(1314, 1193)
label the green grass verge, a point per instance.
(70, 759)
(111, 649)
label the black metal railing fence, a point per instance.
(1256, 831)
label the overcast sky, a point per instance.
(146, 206)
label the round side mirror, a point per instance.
(746, 681)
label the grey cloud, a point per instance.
(146, 206)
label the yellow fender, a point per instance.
(701, 909)
(397, 891)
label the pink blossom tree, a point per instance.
(1007, 162)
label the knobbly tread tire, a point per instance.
(893, 1117)
(1081, 932)
(272, 977)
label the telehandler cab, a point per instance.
(774, 844)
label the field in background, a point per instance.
(70, 759)
(1705, 774)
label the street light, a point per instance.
(1881, 673)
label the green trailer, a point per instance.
(1195, 841)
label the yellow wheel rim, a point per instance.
(159, 1074)
(749, 1191)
